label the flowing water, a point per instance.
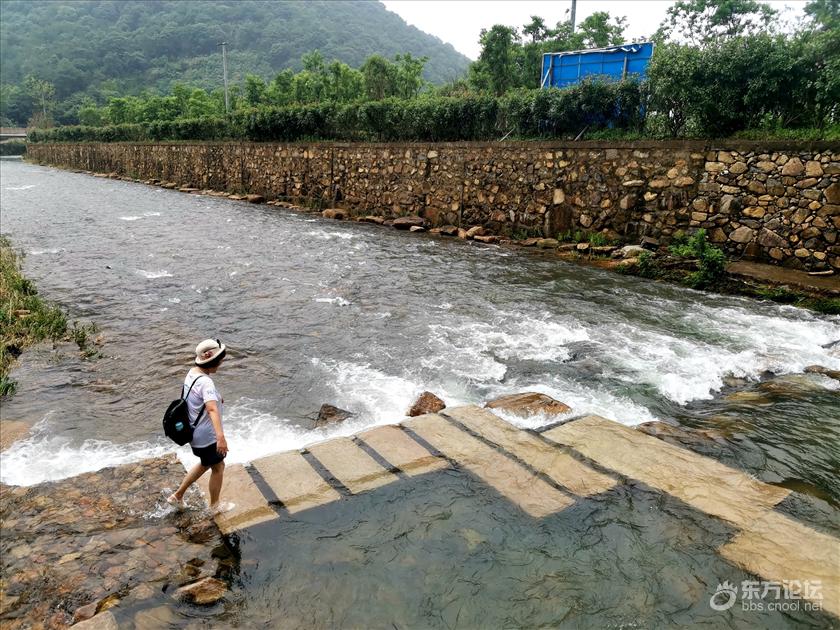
(366, 318)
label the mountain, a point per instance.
(104, 47)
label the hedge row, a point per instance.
(523, 114)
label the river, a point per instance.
(366, 318)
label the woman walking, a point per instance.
(205, 406)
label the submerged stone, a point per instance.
(206, 591)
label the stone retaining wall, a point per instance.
(773, 202)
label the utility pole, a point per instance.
(224, 70)
(574, 8)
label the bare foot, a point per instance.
(175, 501)
(221, 507)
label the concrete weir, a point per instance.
(542, 474)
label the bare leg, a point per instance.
(191, 477)
(217, 473)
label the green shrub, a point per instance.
(647, 265)
(711, 260)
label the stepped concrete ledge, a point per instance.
(542, 474)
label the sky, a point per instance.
(459, 22)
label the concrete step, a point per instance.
(398, 449)
(780, 549)
(238, 488)
(564, 469)
(519, 485)
(703, 483)
(348, 463)
(295, 482)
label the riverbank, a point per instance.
(26, 319)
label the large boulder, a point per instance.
(528, 404)
(330, 414)
(426, 403)
(449, 230)
(334, 213)
(208, 590)
(405, 223)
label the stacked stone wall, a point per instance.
(765, 201)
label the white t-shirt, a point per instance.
(203, 391)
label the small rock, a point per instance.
(334, 213)
(426, 403)
(405, 223)
(528, 403)
(416, 228)
(102, 621)
(648, 242)
(84, 612)
(330, 414)
(476, 230)
(547, 243)
(490, 238)
(462, 233)
(254, 198)
(206, 591)
(449, 230)
(529, 242)
(582, 247)
(373, 219)
(631, 251)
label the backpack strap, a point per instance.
(203, 405)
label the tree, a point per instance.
(496, 68)
(825, 14)
(255, 90)
(408, 76)
(41, 92)
(704, 21)
(599, 30)
(535, 29)
(379, 77)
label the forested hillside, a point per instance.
(105, 48)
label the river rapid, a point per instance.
(317, 311)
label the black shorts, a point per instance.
(208, 455)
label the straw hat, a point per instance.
(208, 350)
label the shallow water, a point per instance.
(366, 318)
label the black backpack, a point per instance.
(176, 420)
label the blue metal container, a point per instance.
(615, 62)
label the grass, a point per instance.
(26, 319)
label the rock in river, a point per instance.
(529, 403)
(405, 223)
(330, 414)
(206, 591)
(426, 403)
